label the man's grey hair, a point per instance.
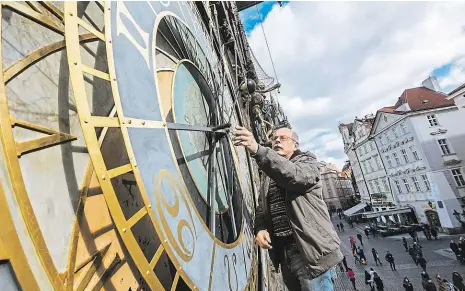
(294, 135)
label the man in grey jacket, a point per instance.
(292, 220)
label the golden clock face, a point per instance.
(112, 167)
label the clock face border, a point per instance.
(104, 175)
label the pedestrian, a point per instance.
(443, 285)
(378, 282)
(457, 280)
(422, 262)
(461, 243)
(289, 172)
(352, 240)
(434, 232)
(429, 285)
(361, 255)
(341, 268)
(454, 247)
(351, 276)
(390, 259)
(372, 279)
(342, 226)
(411, 252)
(367, 232)
(360, 238)
(368, 279)
(417, 248)
(407, 284)
(376, 256)
(424, 276)
(404, 242)
(344, 262)
(338, 227)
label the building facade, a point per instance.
(369, 171)
(422, 149)
(337, 188)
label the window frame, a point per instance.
(385, 184)
(404, 155)
(414, 152)
(432, 120)
(415, 183)
(406, 185)
(396, 158)
(403, 127)
(444, 146)
(388, 159)
(398, 186)
(426, 182)
(458, 177)
(378, 185)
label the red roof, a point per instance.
(422, 98)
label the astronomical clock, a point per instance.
(117, 170)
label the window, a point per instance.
(370, 184)
(370, 163)
(387, 137)
(365, 167)
(458, 177)
(378, 162)
(385, 118)
(403, 126)
(406, 185)
(378, 186)
(424, 177)
(394, 132)
(444, 146)
(414, 153)
(388, 159)
(381, 141)
(404, 154)
(396, 158)
(385, 184)
(399, 188)
(366, 148)
(416, 184)
(372, 147)
(433, 121)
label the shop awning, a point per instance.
(386, 212)
(355, 209)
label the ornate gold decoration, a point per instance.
(178, 193)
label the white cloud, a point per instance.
(338, 60)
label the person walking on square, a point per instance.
(352, 241)
(338, 227)
(457, 280)
(404, 242)
(434, 232)
(368, 279)
(412, 254)
(390, 259)
(360, 238)
(376, 256)
(342, 226)
(351, 276)
(344, 262)
(292, 220)
(367, 232)
(424, 276)
(422, 262)
(378, 282)
(407, 284)
(361, 255)
(429, 285)
(454, 248)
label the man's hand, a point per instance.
(243, 137)
(263, 239)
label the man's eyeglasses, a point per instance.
(282, 138)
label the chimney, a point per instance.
(431, 83)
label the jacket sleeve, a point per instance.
(297, 176)
(260, 220)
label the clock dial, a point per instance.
(116, 169)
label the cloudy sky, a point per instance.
(338, 60)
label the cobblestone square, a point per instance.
(436, 252)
